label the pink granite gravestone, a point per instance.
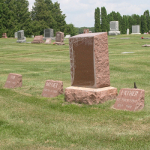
(52, 88)
(89, 61)
(130, 99)
(59, 38)
(48, 41)
(13, 81)
(4, 35)
(86, 31)
(38, 39)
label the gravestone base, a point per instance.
(22, 41)
(113, 32)
(59, 43)
(135, 33)
(90, 95)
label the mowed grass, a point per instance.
(29, 121)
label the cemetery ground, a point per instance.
(30, 121)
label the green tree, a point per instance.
(104, 21)
(97, 20)
(143, 24)
(146, 13)
(70, 29)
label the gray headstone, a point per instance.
(127, 31)
(48, 33)
(16, 35)
(114, 28)
(21, 38)
(136, 29)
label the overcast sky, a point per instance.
(81, 12)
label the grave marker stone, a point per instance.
(136, 29)
(21, 38)
(130, 99)
(89, 62)
(16, 35)
(48, 41)
(48, 33)
(52, 88)
(4, 35)
(114, 28)
(86, 31)
(127, 31)
(13, 81)
(59, 38)
(38, 39)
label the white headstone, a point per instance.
(114, 28)
(16, 35)
(127, 31)
(136, 29)
(67, 36)
(21, 38)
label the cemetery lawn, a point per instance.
(29, 121)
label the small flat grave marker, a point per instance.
(52, 88)
(13, 81)
(130, 99)
(38, 39)
(48, 41)
(146, 45)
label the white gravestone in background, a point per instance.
(136, 29)
(114, 28)
(127, 31)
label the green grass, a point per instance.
(29, 121)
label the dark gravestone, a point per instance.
(52, 88)
(4, 35)
(13, 81)
(48, 33)
(130, 99)
(89, 64)
(21, 38)
(38, 39)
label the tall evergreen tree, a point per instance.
(104, 21)
(124, 25)
(143, 24)
(97, 20)
(146, 13)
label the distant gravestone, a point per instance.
(38, 39)
(130, 99)
(89, 62)
(86, 31)
(52, 88)
(4, 35)
(136, 29)
(114, 28)
(48, 41)
(48, 33)
(59, 38)
(127, 31)
(13, 81)
(67, 36)
(16, 35)
(32, 36)
(21, 38)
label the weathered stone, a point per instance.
(13, 81)
(89, 64)
(48, 41)
(52, 88)
(89, 60)
(38, 39)
(4, 35)
(90, 95)
(127, 31)
(114, 28)
(130, 99)
(16, 35)
(86, 31)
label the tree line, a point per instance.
(15, 16)
(102, 21)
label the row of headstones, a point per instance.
(48, 34)
(114, 28)
(128, 99)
